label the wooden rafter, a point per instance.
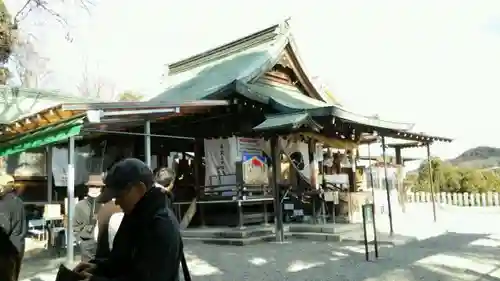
(36, 121)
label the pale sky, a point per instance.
(435, 63)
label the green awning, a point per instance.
(50, 134)
(288, 122)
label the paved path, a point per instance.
(450, 256)
(447, 251)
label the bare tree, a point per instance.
(130, 96)
(50, 9)
(44, 5)
(29, 66)
(93, 86)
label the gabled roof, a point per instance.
(210, 73)
(237, 67)
(246, 59)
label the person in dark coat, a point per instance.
(148, 244)
(12, 214)
(85, 219)
(10, 260)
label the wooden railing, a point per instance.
(230, 193)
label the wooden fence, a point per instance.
(457, 199)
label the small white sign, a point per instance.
(299, 212)
(52, 211)
(289, 207)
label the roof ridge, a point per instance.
(244, 43)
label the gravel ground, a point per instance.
(446, 251)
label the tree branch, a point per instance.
(43, 5)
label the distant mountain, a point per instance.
(479, 157)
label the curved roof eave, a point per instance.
(350, 116)
(315, 110)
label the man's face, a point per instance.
(129, 197)
(94, 191)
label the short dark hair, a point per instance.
(164, 176)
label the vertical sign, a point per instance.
(220, 158)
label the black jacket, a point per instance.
(13, 220)
(10, 260)
(147, 246)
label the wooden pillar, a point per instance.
(276, 172)
(399, 159)
(70, 239)
(48, 172)
(371, 172)
(353, 171)
(199, 182)
(313, 163)
(399, 179)
(147, 143)
(311, 149)
(388, 193)
(431, 182)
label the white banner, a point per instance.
(289, 147)
(220, 158)
(27, 163)
(60, 165)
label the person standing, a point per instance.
(164, 179)
(148, 244)
(85, 219)
(12, 214)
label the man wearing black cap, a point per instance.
(148, 244)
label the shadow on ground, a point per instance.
(450, 256)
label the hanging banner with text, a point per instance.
(60, 165)
(220, 158)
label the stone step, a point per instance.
(232, 241)
(382, 239)
(227, 233)
(314, 236)
(331, 228)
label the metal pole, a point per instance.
(147, 143)
(71, 202)
(48, 172)
(373, 200)
(431, 183)
(278, 211)
(371, 174)
(354, 184)
(391, 228)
